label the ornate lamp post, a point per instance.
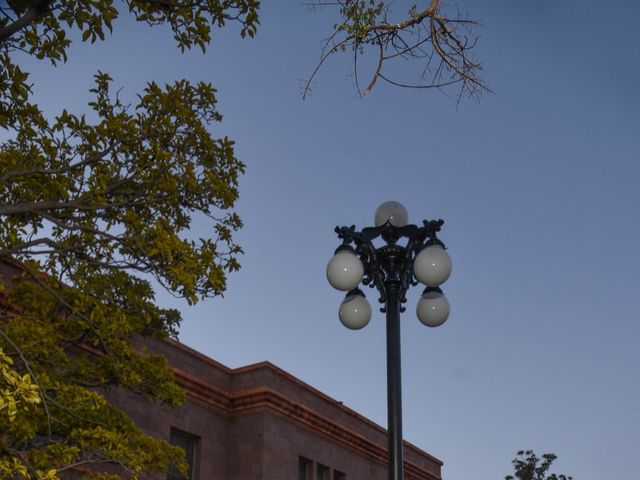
(391, 268)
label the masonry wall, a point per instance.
(304, 405)
(286, 441)
(245, 448)
(255, 422)
(210, 427)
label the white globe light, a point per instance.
(345, 270)
(432, 266)
(392, 212)
(355, 311)
(433, 309)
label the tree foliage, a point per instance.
(439, 43)
(528, 466)
(90, 212)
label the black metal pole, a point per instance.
(394, 387)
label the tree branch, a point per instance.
(53, 171)
(415, 19)
(32, 15)
(378, 70)
(435, 37)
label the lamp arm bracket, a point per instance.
(390, 263)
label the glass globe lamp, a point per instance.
(393, 212)
(433, 308)
(345, 270)
(355, 311)
(432, 266)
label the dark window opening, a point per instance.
(339, 475)
(322, 472)
(304, 468)
(188, 443)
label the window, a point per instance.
(322, 472)
(304, 468)
(188, 443)
(339, 475)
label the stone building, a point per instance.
(260, 423)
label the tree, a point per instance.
(439, 43)
(528, 466)
(90, 212)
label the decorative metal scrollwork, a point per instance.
(392, 263)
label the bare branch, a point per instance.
(407, 85)
(323, 57)
(378, 70)
(445, 50)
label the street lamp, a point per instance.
(391, 268)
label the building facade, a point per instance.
(261, 423)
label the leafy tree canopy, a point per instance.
(90, 211)
(528, 466)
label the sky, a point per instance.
(538, 187)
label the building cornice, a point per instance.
(264, 398)
(305, 386)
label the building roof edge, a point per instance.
(283, 373)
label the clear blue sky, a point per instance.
(538, 185)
